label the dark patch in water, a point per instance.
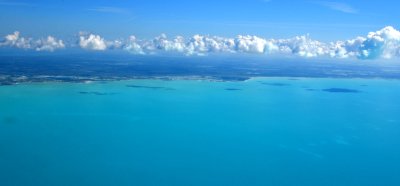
(293, 79)
(276, 84)
(364, 85)
(341, 90)
(98, 93)
(233, 89)
(233, 78)
(311, 89)
(149, 87)
(9, 120)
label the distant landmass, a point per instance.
(98, 67)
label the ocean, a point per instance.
(262, 131)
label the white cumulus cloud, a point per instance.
(16, 41)
(133, 47)
(302, 46)
(384, 43)
(200, 45)
(92, 42)
(381, 44)
(49, 44)
(253, 44)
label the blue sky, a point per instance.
(323, 20)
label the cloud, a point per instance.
(92, 42)
(346, 49)
(14, 40)
(49, 44)
(384, 43)
(252, 44)
(302, 46)
(200, 45)
(338, 6)
(381, 44)
(133, 47)
(109, 9)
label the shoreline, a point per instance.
(10, 81)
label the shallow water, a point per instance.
(265, 131)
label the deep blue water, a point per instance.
(265, 131)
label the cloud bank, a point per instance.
(384, 43)
(14, 40)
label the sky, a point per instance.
(324, 21)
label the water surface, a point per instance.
(265, 131)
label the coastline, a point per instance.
(26, 69)
(10, 81)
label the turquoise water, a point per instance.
(265, 131)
